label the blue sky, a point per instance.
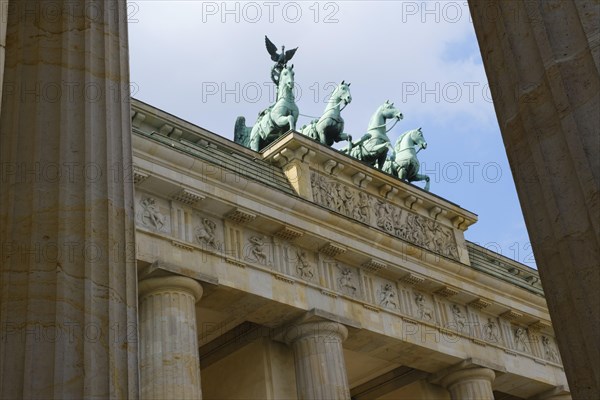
(206, 63)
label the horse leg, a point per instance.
(419, 177)
(320, 134)
(347, 149)
(344, 136)
(292, 122)
(393, 168)
(402, 172)
(279, 123)
(373, 153)
(381, 160)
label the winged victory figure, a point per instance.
(280, 59)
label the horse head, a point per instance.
(410, 139)
(342, 93)
(418, 138)
(286, 79)
(387, 110)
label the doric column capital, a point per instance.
(470, 379)
(166, 283)
(319, 359)
(169, 359)
(319, 330)
(462, 376)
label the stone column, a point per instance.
(169, 361)
(542, 60)
(3, 21)
(319, 360)
(68, 303)
(470, 384)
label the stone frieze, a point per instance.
(417, 229)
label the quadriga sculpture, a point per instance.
(404, 163)
(373, 146)
(273, 121)
(329, 128)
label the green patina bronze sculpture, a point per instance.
(273, 121)
(329, 128)
(373, 146)
(280, 59)
(403, 163)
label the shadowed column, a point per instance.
(542, 59)
(67, 266)
(169, 359)
(470, 384)
(319, 360)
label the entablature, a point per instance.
(433, 246)
(305, 223)
(192, 208)
(283, 218)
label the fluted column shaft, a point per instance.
(319, 360)
(3, 21)
(470, 384)
(542, 60)
(68, 316)
(169, 361)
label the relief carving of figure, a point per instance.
(348, 197)
(429, 234)
(151, 215)
(419, 235)
(304, 269)
(459, 319)
(362, 211)
(433, 240)
(339, 197)
(387, 296)
(413, 230)
(490, 331)
(327, 193)
(425, 313)
(339, 200)
(346, 281)
(316, 189)
(384, 216)
(549, 351)
(397, 222)
(322, 191)
(441, 239)
(205, 233)
(449, 246)
(521, 340)
(257, 251)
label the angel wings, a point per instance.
(280, 58)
